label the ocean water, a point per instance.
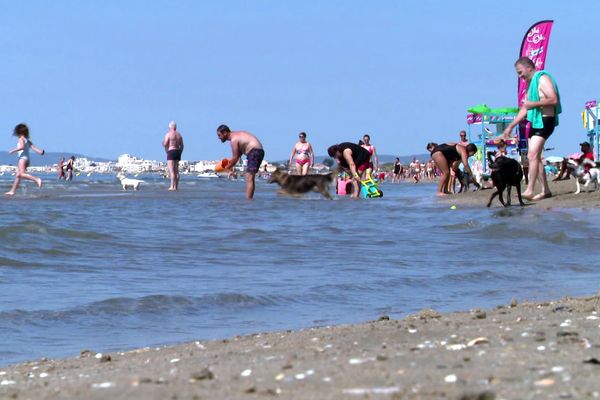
(85, 265)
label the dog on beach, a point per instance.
(129, 182)
(506, 172)
(465, 180)
(296, 185)
(583, 177)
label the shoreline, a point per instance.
(563, 196)
(548, 349)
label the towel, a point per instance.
(535, 114)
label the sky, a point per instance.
(103, 78)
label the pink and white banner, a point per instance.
(535, 46)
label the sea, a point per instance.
(86, 265)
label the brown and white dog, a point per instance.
(296, 185)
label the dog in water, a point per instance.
(296, 185)
(129, 182)
(583, 177)
(506, 172)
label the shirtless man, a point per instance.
(549, 107)
(243, 143)
(173, 144)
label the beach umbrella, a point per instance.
(553, 159)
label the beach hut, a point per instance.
(484, 123)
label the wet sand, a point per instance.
(547, 350)
(563, 196)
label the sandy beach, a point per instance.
(518, 350)
(563, 196)
(548, 350)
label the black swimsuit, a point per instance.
(449, 151)
(360, 155)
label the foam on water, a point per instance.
(87, 265)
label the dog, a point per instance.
(296, 185)
(465, 180)
(582, 176)
(483, 180)
(506, 172)
(129, 182)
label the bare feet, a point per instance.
(528, 196)
(441, 194)
(39, 182)
(9, 193)
(541, 196)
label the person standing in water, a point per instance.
(374, 160)
(61, 168)
(23, 147)
(243, 142)
(69, 168)
(305, 157)
(173, 144)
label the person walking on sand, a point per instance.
(23, 147)
(243, 142)
(173, 144)
(541, 107)
(305, 157)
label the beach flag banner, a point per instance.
(535, 46)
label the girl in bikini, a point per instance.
(23, 147)
(305, 157)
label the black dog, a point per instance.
(506, 172)
(299, 184)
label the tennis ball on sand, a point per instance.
(453, 207)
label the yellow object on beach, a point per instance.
(453, 207)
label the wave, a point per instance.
(153, 304)
(38, 228)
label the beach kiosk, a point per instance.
(484, 123)
(590, 123)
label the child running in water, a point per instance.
(23, 146)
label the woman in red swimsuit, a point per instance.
(305, 157)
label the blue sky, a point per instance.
(104, 78)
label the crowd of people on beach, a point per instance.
(449, 161)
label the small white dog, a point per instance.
(129, 182)
(583, 177)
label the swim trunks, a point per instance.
(174, 155)
(254, 158)
(546, 131)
